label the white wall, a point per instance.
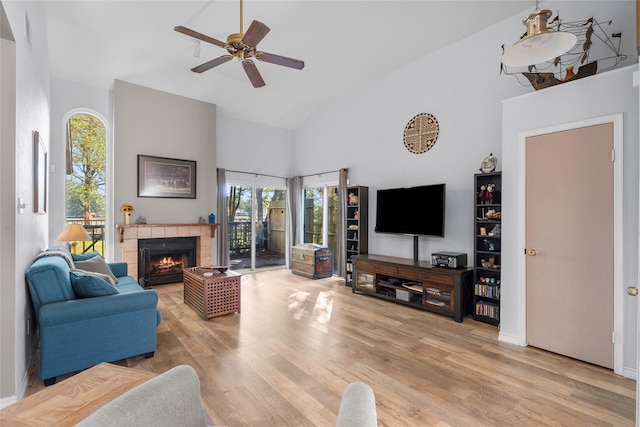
(251, 147)
(598, 96)
(32, 88)
(462, 87)
(68, 98)
(155, 123)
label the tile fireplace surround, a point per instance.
(129, 235)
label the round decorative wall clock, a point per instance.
(421, 133)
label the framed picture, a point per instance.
(163, 177)
(39, 174)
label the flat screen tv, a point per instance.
(414, 211)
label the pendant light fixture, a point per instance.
(540, 44)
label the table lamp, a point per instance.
(73, 233)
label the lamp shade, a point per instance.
(73, 233)
(540, 44)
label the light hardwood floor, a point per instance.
(297, 343)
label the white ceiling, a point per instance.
(343, 44)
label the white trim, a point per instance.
(618, 232)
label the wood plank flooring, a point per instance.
(297, 343)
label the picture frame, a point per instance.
(40, 180)
(164, 177)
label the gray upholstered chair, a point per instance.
(173, 399)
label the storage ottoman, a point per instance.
(312, 261)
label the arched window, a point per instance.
(85, 183)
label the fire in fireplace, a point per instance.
(161, 261)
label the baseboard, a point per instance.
(630, 373)
(22, 388)
(6, 401)
(511, 339)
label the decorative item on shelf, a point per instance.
(495, 231)
(483, 231)
(489, 245)
(356, 215)
(492, 214)
(489, 194)
(353, 199)
(72, 234)
(126, 209)
(212, 218)
(489, 163)
(482, 193)
(202, 220)
(490, 263)
(544, 72)
(141, 220)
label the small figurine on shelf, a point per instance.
(126, 210)
(495, 231)
(356, 215)
(482, 193)
(141, 220)
(353, 199)
(489, 194)
(489, 245)
(490, 263)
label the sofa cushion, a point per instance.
(90, 285)
(96, 264)
(49, 282)
(84, 257)
(104, 277)
(58, 251)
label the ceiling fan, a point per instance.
(243, 47)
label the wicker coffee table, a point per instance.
(210, 292)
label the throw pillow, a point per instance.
(84, 257)
(101, 276)
(86, 286)
(96, 264)
(60, 251)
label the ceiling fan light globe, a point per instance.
(540, 44)
(538, 48)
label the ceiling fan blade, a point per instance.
(199, 36)
(256, 32)
(213, 63)
(280, 60)
(253, 73)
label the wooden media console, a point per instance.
(415, 283)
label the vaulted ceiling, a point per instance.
(343, 44)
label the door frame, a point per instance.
(618, 233)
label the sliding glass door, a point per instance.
(321, 217)
(257, 218)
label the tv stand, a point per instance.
(414, 283)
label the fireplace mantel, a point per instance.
(130, 233)
(159, 227)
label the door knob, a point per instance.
(632, 290)
(532, 252)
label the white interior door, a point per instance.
(570, 243)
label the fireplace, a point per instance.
(161, 261)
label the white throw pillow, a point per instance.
(96, 264)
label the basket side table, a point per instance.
(212, 295)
